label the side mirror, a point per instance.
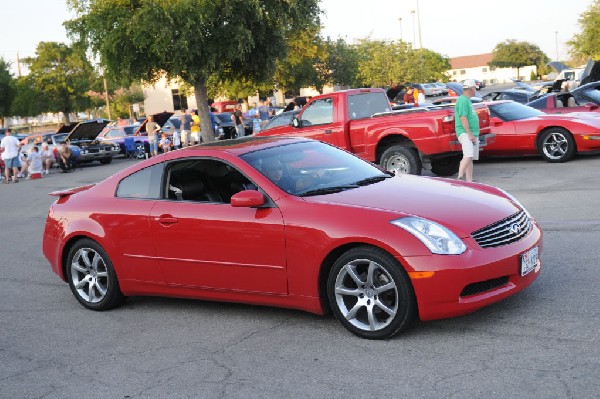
(495, 121)
(296, 122)
(248, 199)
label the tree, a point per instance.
(341, 63)
(28, 100)
(6, 90)
(63, 75)
(193, 40)
(513, 54)
(587, 43)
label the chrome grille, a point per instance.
(506, 231)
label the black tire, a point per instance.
(106, 161)
(444, 167)
(556, 145)
(401, 159)
(91, 276)
(353, 298)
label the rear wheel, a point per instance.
(370, 293)
(445, 166)
(91, 276)
(557, 145)
(401, 160)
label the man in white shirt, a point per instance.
(10, 155)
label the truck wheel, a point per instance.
(557, 145)
(401, 160)
(445, 166)
(105, 161)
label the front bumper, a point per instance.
(94, 153)
(494, 272)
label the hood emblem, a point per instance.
(515, 228)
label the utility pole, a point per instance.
(556, 43)
(106, 95)
(414, 31)
(419, 22)
(18, 66)
(400, 20)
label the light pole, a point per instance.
(556, 42)
(400, 20)
(419, 22)
(414, 31)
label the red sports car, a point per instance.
(522, 130)
(293, 223)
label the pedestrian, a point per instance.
(409, 97)
(263, 111)
(10, 146)
(186, 124)
(176, 140)
(152, 128)
(195, 129)
(238, 119)
(213, 123)
(35, 162)
(467, 128)
(164, 143)
(253, 111)
(47, 158)
(64, 157)
(256, 124)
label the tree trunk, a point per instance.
(518, 74)
(203, 108)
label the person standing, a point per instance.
(263, 111)
(238, 120)
(176, 140)
(195, 135)
(152, 128)
(10, 146)
(467, 128)
(186, 123)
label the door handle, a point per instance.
(166, 220)
(328, 131)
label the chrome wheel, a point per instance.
(555, 146)
(89, 275)
(366, 295)
(398, 164)
(400, 159)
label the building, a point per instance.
(477, 67)
(165, 96)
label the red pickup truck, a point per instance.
(361, 121)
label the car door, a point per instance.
(317, 122)
(204, 242)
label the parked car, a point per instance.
(522, 130)
(442, 87)
(428, 89)
(117, 134)
(294, 223)
(84, 135)
(227, 128)
(53, 140)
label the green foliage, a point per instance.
(190, 39)
(341, 63)
(587, 43)
(513, 54)
(62, 74)
(28, 100)
(6, 89)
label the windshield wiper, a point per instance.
(327, 190)
(371, 180)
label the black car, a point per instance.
(84, 135)
(226, 125)
(520, 96)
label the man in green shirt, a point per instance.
(467, 128)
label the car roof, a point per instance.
(242, 146)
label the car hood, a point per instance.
(160, 118)
(587, 118)
(87, 130)
(462, 207)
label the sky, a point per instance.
(450, 27)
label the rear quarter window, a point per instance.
(144, 184)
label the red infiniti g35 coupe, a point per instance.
(293, 223)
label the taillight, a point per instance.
(448, 124)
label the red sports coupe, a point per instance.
(522, 130)
(293, 223)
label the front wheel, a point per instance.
(106, 161)
(401, 160)
(370, 293)
(557, 145)
(445, 166)
(91, 276)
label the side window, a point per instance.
(319, 112)
(142, 184)
(204, 180)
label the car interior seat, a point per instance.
(571, 102)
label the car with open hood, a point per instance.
(84, 135)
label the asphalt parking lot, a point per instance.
(541, 343)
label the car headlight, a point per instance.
(436, 237)
(84, 151)
(516, 202)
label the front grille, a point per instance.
(506, 231)
(483, 286)
(93, 150)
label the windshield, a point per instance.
(512, 111)
(313, 168)
(59, 138)
(593, 94)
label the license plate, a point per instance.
(529, 260)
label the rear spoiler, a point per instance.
(70, 191)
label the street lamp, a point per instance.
(400, 20)
(414, 32)
(419, 22)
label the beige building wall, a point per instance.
(159, 97)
